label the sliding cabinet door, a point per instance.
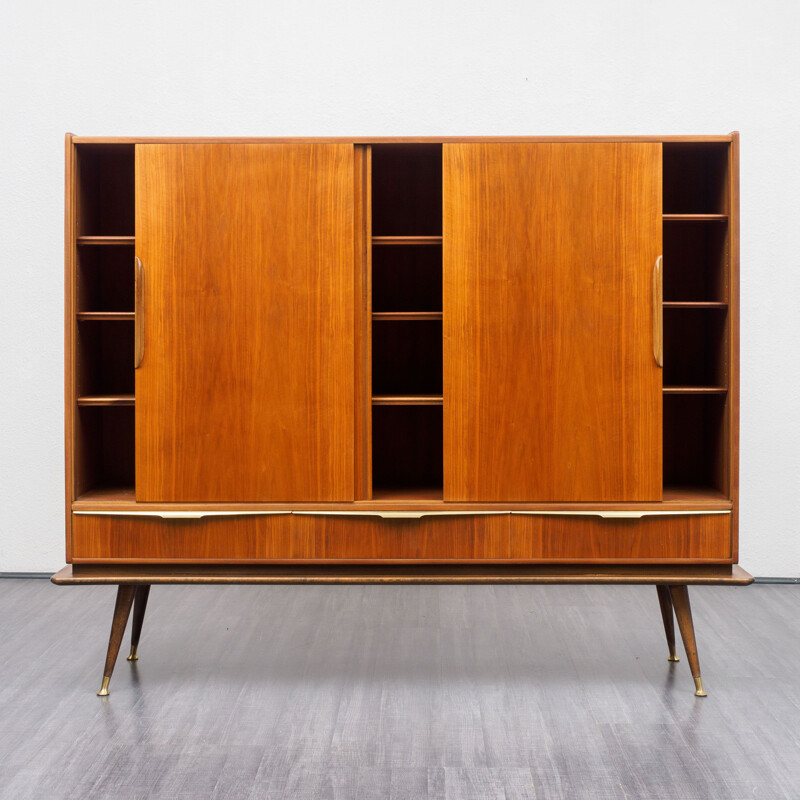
(245, 391)
(551, 388)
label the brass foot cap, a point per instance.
(698, 684)
(104, 688)
(133, 656)
(672, 657)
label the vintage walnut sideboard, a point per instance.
(507, 360)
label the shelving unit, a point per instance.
(407, 321)
(696, 286)
(104, 319)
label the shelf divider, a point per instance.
(125, 241)
(407, 400)
(401, 316)
(406, 240)
(694, 390)
(695, 304)
(695, 217)
(107, 400)
(88, 316)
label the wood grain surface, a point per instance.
(430, 538)
(216, 539)
(482, 537)
(246, 389)
(627, 574)
(669, 538)
(551, 391)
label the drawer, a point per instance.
(491, 537)
(217, 539)
(289, 537)
(672, 538)
(431, 538)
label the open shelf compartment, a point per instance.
(406, 325)
(105, 439)
(103, 308)
(407, 278)
(106, 188)
(695, 345)
(407, 451)
(695, 177)
(695, 261)
(695, 444)
(407, 190)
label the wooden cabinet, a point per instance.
(391, 350)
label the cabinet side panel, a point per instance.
(246, 388)
(551, 388)
(69, 324)
(733, 312)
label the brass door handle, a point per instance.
(658, 311)
(138, 323)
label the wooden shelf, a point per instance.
(88, 316)
(407, 400)
(125, 241)
(406, 315)
(109, 494)
(694, 304)
(107, 400)
(694, 390)
(406, 494)
(693, 494)
(695, 217)
(406, 240)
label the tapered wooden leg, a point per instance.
(122, 610)
(665, 601)
(139, 607)
(683, 611)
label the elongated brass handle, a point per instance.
(138, 323)
(658, 312)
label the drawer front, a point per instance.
(289, 537)
(465, 538)
(212, 539)
(673, 538)
(301, 537)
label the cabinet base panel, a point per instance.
(85, 574)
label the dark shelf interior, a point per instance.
(407, 353)
(407, 447)
(105, 279)
(407, 190)
(105, 436)
(695, 261)
(695, 177)
(694, 347)
(407, 278)
(106, 189)
(104, 355)
(694, 441)
(407, 357)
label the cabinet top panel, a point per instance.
(386, 139)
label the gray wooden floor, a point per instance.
(399, 692)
